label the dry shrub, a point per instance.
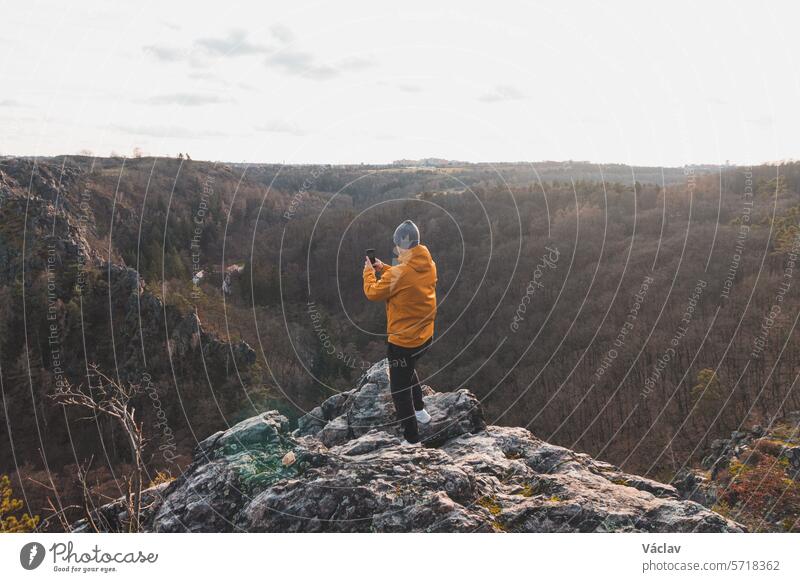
(769, 446)
(763, 495)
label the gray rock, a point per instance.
(356, 412)
(256, 430)
(114, 516)
(335, 432)
(352, 474)
(792, 454)
(694, 486)
(311, 423)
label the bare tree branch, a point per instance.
(112, 400)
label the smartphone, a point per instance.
(371, 254)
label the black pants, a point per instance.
(406, 391)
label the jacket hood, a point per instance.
(418, 258)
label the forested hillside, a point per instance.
(635, 314)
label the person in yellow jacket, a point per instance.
(409, 290)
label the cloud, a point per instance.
(281, 126)
(304, 64)
(185, 99)
(165, 53)
(282, 33)
(503, 93)
(236, 43)
(355, 64)
(233, 45)
(169, 131)
(301, 64)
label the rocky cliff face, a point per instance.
(48, 228)
(68, 302)
(344, 469)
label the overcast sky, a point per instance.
(664, 83)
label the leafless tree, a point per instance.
(113, 400)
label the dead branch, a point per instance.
(113, 400)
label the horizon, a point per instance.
(398, 163)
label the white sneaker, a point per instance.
(422, 416)
(405, 443)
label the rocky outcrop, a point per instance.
(33, 196)
(344, 469)
(349, 415)
(149, 322)
(779, 443)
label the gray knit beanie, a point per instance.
(406, 235)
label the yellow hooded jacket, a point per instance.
(409, 290)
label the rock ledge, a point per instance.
(344, 469)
